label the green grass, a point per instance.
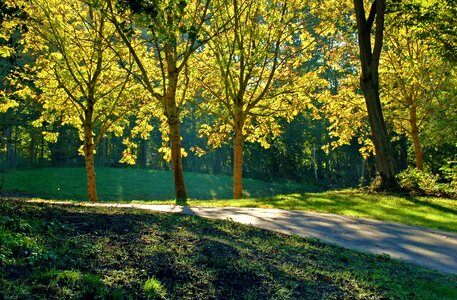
(115, 184)
(156, 187)
(154, 289)
(62, 252)
(439, 213)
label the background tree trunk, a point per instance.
(143, 154)
(415, 137)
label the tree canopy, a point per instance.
(334, 92)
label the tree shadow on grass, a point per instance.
(192, 258)
(365, 206)
(434, 206)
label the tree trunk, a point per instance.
(143, 154)
(89, 157)
(172, 115)
(176, 159)
(415, 137)
(238, 151)
(369, 82)
(9, 144)
(238, 164)
(43, 142)
(384, 157)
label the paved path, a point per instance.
(422, 246)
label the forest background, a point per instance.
(140, 84)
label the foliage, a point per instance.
(154, 289)
(343, 107)
(250, 76)
(211, 43)
(80, 74)
(106, 253)
(80, 68)
(420, 182)
(450, 172)
(417, 87)
(433, 21)
(168, 33)
(416, 83)
(12, 27)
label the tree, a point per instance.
(172, 31)
(81, 80)
(414, 89)
(414, 77)
(250, 74)
(369, 82)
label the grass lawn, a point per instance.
(84, 252)
(432, 212)
(115, 184)
(156, 187)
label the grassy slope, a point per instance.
(80, 252)
(116, 184)
(155, 187)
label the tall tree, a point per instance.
(413, 79)
(369, 82)
(250, 74)
(81, 80)
(173, 31)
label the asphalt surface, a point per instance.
(418, 245)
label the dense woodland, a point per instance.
(274, 90)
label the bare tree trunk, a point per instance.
(43, 142)
(176, 158)
(89, 156)
(415, 137)
(142, 161)
(238, 143)
(314, 161)
(90, 172)
(384, 157)
(9, 144)
(172, 115)
(369, 82)
(238, 164)
(32, 149)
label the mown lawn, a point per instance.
(116, 184)
(432, 212)
(84, 252)
(156, 187)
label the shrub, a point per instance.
(418, 181)
(450, 173)
(423, 183)
(154, 289)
